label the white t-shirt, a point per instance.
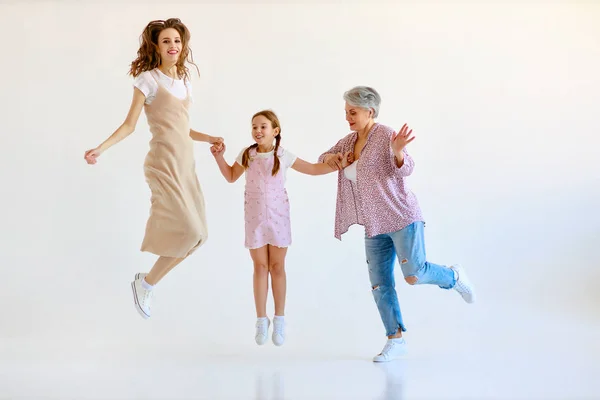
(147, 84)
(350, 171)
(287, 159)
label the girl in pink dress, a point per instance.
(267, 213)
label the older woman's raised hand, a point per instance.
(400, 139)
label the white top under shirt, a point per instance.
(146, 83)
(350, 171)
(287, 159)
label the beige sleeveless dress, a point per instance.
(176, 226)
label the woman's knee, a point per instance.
(194, 233)
(411, 271)
(411, 280)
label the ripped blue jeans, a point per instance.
(408, 245)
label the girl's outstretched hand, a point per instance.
(92, 155)
(217, 149)
(334, 160)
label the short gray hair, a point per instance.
(364, 97)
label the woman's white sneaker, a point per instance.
(142, 297)
(463, 285)
(393, 349)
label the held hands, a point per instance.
(218, 149)
(347, 158)
(215, 140)
(218, 146)
(400, 139)
(92, 155)
(340, 160)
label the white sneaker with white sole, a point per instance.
(141, 297)
(393, 349)
(278, 331)
(262, 330)
(463, 285)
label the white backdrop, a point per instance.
(503, 100)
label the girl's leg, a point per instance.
(260, 258)
(278, 281)
(278, 277)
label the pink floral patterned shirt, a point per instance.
(380, 199)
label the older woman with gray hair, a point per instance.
(372, 192)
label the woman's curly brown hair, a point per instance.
(148, 56)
